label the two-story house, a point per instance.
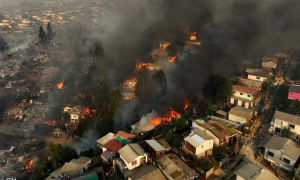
(75, 167)
(131, 156)
(251, 171)
(282, 119)
(230, 134)
(258, 74)
(249, 83)
(219, 138)
(240, 115)
(124, 137)
(74, 111)
(281, 152)
(269, 63)
(294, 92)
(243, 96)
(198, 143)
(155, 149)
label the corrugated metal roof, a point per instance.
(272, 142)
(258, 72)
(202, 134)
(146, 172)
(240, 111)
(244, 89)
(131, 151)
(169, 167)
(287, 117)
(291, 149)
(294, 88)
(210, 128)
(253, 171)
(105, 138)
(155, 145)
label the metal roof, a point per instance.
(155, 145)
(197, 137)
(240, 111)
(169, 167)
(272, 142)
(253, 171)
(131, 151)
(294, 88)
(210, 128)
(258, 72)
(105, 138)
(145, 172)
(287, 117)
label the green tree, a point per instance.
(3, 45)
(218, 154)
(83, 125)
(265, 86)
(143, 86)
(58, 155)
(39, 171)
(165, 130)
(49, 29)
(177, 141)
(297, 174)
(160, 82)
(97, 161)
(296, 73)
(169, 136)
(293, 107)
(217, 89)
(181, 124)
(42, 34)
(286, 132)
(204, 164)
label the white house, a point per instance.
(280, 151)
(243, 96)
(133, 155)
(258, 74)
(75, 167)
(282, 119)
(198, 143)
(219, 138)
(251, 171)
(240, 115)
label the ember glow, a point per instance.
(187, 31)
(172, 59)
(89, 112)
(60, 85)
(130, 83)
(51, 123)
(140, 65)
(185, 104)
(170, 115)
(28, 165)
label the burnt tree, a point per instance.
(143, 86)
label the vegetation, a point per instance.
(296, 73)
(97, 161)
(83, 125)
(143, 87)
(218, 154)
(286, 132)
(207, 107)
(293, 107)
(181, 124)
(42, 34)
(40, 171)
(297, 174)
(174, 139)
(3, 45)
(217, 89)
(265, 86)
(160, 82)
(204, 164)
(49, 30)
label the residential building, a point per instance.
(243, 96)
(128, 95)
(251, 171)
(280, 151)
(174, 168)
(133, 155)
(155, 149)
(240, 115)
(258, 74)
(219, 138)
(105, 139)
(145, 172)
(249, 83)
(244, 65)
(221, 114)
(75, 167)
(107, 156)
(92, 175)
(269, 63)
(74, 111)
(282, 119)
(124, 137)
(198, 143)
(231, 134)
(294, 92)
(113, 145)
(165, 144)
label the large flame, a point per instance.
(156, 120)
(170, 115)
(60, 85)
(51, 123)
(28, 165)
(140, 65)
(172, 59)
(88, 112)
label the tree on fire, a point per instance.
(217, 89)
(160, 82)
(3, 45)
(106, 102)
(143, 86)
(42, 34)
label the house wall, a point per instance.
(247, 104)
(188, 146)
(294, 95)
(207, 146)
(257, 78)
(217, 141)
(239, 178)
(278, 158)
(281, 124)
(243, 95)
(155, 154)
(138, 162)
(237, 119)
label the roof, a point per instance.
(222, 128)
(170, 167)
(124, 135)
(287, 117)
(54, 174)
(221, 112)
(249, 82)
(107, 154)
(268, 59)
(165, 144)
(291, 149)
(105, 138)
(244, 89)
(145, 172)
(257, 72)
(253, 171)
(210, 128)
(131, 151)
(240, 111)
(113, 145)
(197, 137)
(91, 175)
(183, 166)
(155, 145)
(73, 167)
(294, 88)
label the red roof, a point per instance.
(244, 89)
(113, 145)
(124, 135)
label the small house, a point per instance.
(240, 115)
(155, 149)
(294, 92)
(269, 63)
(258, 74)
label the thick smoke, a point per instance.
(88, 141)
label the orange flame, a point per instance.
(51, 123)
(140, 65)
(187, 31)
(156, 121)
(130, 83)
(60, 85)
(185, 104)
(170, 115)
(28, 165)
(88, 112)
(172, 59)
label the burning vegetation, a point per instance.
(89, 112)
(60, 85)
(130, 83)
(140, 65)
(51, 123)
(172, 59)
(28, 168)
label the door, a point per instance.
(235, 102)
(243, 103)
(205, 153)
(142, 160)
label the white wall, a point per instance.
(244, 95)
(208, 144)
(237, 119)
(277, 123)
(278, 157)
(216, 139)
(130, 166)
(254, 78)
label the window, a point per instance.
(209, 150)
(241, 93)
(292, 126)
(133, 162)
(249, 95)
(160, 153)
(286, 161)
(192, 147)
(202, 146)
(270, 154)
(233, 91)
(257, 77)
(209, 143)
